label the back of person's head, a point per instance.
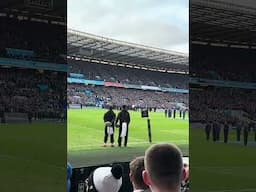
(69, 174)
(136, 169)
(105, 179)
(110, 108)
(163, 168)
(124, 107)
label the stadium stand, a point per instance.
(46, 42)
(36, 92)
(222, 63)
(218, 102)
(223, 49)
(32, 56)
(110, 73)
(94, 95)
(122, 73)
(120, 96)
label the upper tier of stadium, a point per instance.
(219, 23)
(92, 48)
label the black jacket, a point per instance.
(123, 116)
(109, 116)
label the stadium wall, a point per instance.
(221, 83)
(121, 85)
(15, 117)
(33, 64)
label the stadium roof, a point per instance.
(53, 10)
(109, 51)
(221, 23)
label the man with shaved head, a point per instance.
(164, 169)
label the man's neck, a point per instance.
(137, 188)
(162, 190)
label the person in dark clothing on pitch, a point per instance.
(214, 131)
(238, 131)
(109, 120)
(254, 130)
(30, 116)
(184, 114)
(174, 113)
(124, 120)
(208, 130)
(180, 113)
(169, 113)
(246, 132)
(226, 130)
(252, 127)
(218, 130)
(165, 112)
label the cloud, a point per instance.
(158, 23)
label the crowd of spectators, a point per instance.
(220, 63)
(46, 41)
(95, 95)
(42, 94)
(222, 110)
(110, 73)
(78, 94)
(218, 102)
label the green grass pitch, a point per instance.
(220, 167)
(86, 132)
(33, 157)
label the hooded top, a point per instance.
(108, 179)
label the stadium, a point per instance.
(222, 93)
(106, 72)
(33, 95)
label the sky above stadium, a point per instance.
(157, 23)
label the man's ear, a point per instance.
(130, 176)
(183, 174)
(146, 178)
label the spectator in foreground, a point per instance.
(69, 174)
(164, 169)
(185, 181)
(136, 170)
(105, 179)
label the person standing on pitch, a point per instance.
(165, 112)
(214, 131)
(226, 129)
(109, 120)
(218, 130)
(238, 130)
(169, 113)
(254, 130)
(184, 114)
(208, 130)
(124, 120)
(246, 132)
